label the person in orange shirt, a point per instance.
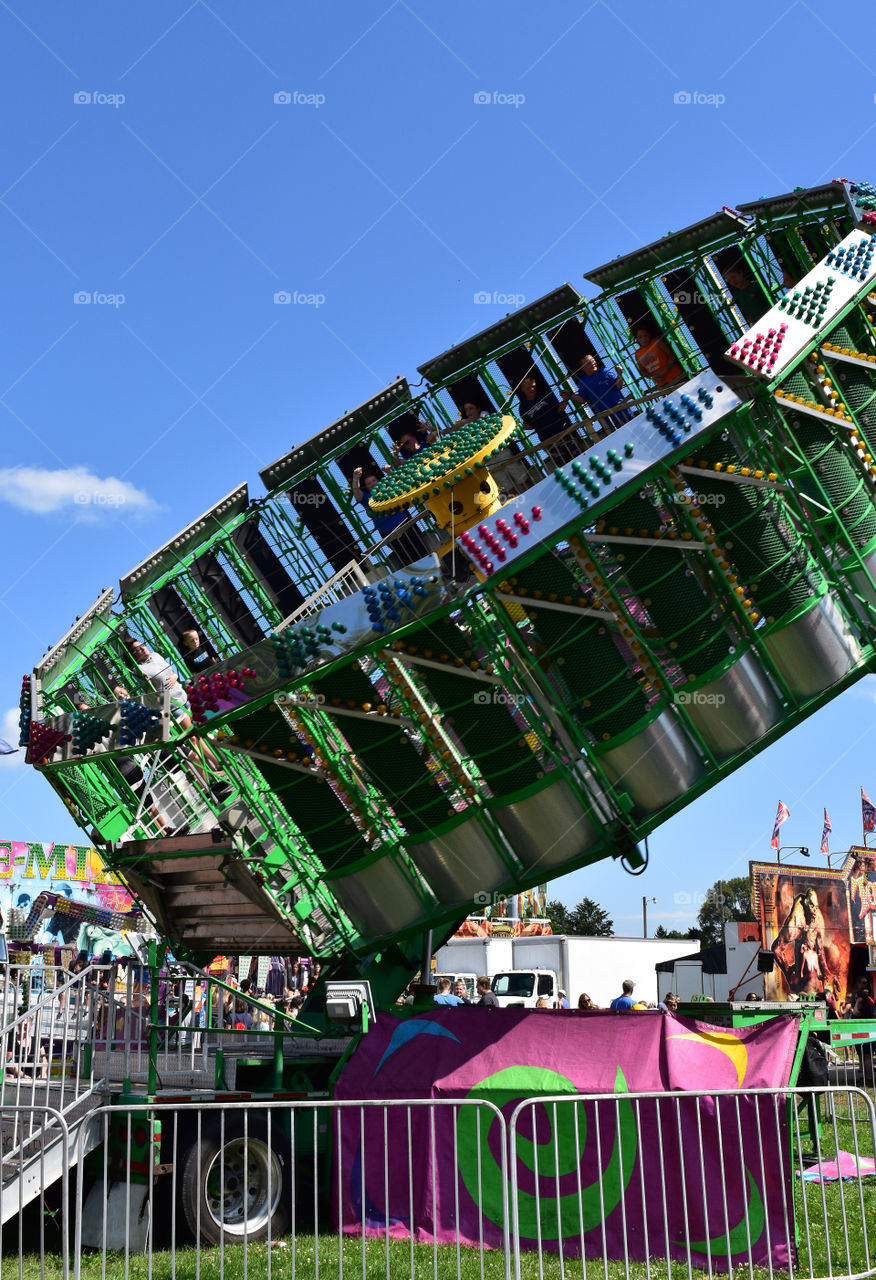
(655, 357)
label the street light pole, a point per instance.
(645, 915)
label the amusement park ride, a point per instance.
(568, 641)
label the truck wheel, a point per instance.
(234, 1183)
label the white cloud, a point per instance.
(9, 730)
(41, 491)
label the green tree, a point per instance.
(590, 920)
(558, 914)
(674, 934)
(587, 920)
(726, 900)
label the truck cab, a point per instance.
(523, 988)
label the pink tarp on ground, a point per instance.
(589, 1175)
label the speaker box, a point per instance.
(766, 961)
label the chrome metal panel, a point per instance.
(656, 766)
(861, 583)
(549, 828)
(545, 509)
(815, 651)
(734, 710)
(461, 864)
(379, 899)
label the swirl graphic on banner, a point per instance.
(559, 1206)
(740, 1238)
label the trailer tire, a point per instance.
(255, 1164)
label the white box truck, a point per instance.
(596, 966)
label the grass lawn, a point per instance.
(840, 1241)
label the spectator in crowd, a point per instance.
(669, 1003)
(486, 1000)
(563, 1000)
(585, 1001)
(541, 1003)
(275, 981)
(444, 995)
(198, 654)
(655, 358)
(625, 1001)
(460, 991)
(864, 1003)
(599, 389)
(752, 995)
(294, 976)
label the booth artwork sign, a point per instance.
(45, 861)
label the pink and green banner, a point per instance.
(705, 1178)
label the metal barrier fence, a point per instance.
(759, 1183)
(719, 1181)
(314, 1186)
(32, 1175)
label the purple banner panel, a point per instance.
(703, 1178)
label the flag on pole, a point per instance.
(868, 812)
(783, 815)
(826, 830)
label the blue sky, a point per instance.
(417, 155)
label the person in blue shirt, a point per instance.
(445, 995)
(625, 1002)
(599, 389)
(403, 550)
